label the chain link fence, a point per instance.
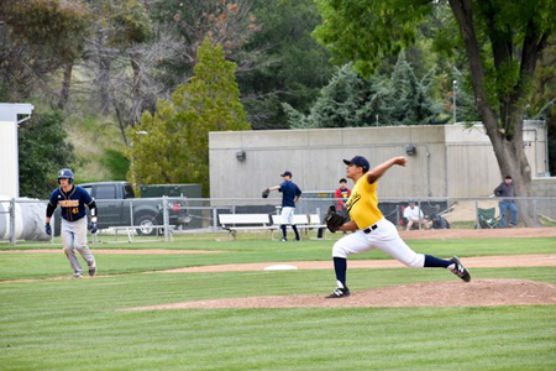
(161, 218)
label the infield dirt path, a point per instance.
(116, 251)
(439, 234)
(538, 260)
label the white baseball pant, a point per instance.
(287, 215)
(385, 237)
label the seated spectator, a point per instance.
(414, 215)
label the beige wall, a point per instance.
(9, 173)
(450, 161)
(9, 157)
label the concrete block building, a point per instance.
(443, 160)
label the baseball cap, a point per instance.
(359, 161)
(286, 173)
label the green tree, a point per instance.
(41, 36)
(407, 101)
(543, 102)
(466, 108)
(43, 150)
(171, 146)
(502, 40)
(336, 105)
(349, 100)
(119, 30)
(282, 63)
(187, 23)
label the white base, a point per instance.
(280, 267)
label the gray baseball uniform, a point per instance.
(72, 200)
(74, 237)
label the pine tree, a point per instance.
(351, 101)
(466, 109)
(408, 101)
(337, 104)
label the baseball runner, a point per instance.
(290, 195)
(372, 230)
(72, 199)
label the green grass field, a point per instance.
(66, 324)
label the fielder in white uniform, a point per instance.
(72, 199)
(371, 230)
(413, 214)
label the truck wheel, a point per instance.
(145, 224)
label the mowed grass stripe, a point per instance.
(304, 339)
(106, 294)
(246, 242)
(21, 266)
(64, 325)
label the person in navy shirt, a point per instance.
(72, 200)
(290, 195)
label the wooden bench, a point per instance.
(238, 222)
(315, 222)
(300, 220)
(244, 222)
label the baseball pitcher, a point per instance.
(72, 200)
(370, 228)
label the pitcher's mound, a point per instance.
(493, 292)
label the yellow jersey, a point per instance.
(362, 205)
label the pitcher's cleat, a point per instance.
(339, 293)
(459, 270)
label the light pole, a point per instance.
(454, 94)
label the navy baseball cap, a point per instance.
(287, 173)
(359, 161)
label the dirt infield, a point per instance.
(491, 292)
(539, 260)
(116, 252)
(436, 234)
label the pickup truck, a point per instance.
(118, 206)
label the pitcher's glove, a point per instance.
(266, 192)
(334, 220)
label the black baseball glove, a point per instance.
(266, 192)
(48, 229)
(334, 220)
(93, 227)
